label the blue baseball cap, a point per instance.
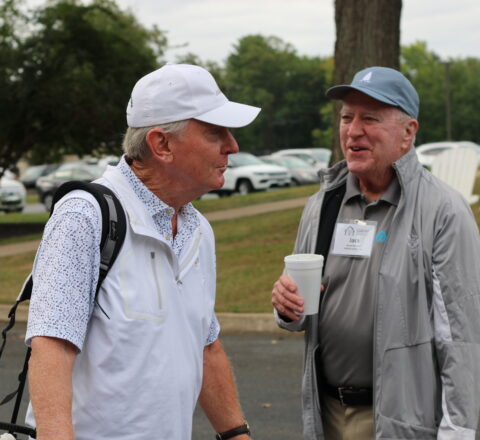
(383, 84)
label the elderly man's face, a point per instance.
(373, 135)
(200, 155)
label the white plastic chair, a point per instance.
(458, 168)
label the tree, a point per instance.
(368, 34)
(11, 20)
(70, 80)
(267, 72)
(427, 72)
(465, 96)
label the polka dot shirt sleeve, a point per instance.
(65, 273)
(214, 331)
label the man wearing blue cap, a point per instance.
(394, 352)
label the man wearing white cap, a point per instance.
(394, 351)
(134, 368)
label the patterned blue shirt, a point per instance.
(66, 266)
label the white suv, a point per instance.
(247, 173)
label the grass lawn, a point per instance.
(16, 217)
(32, 197)
(249, 260)
(13, 271)
(250, 252)
(250, 255)
(238, 201)
(476, 206)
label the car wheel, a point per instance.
(244, 186)
(47, 201)
(294, 182)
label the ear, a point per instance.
(411, 128)
(158, 143)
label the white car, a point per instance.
(427, 152)
(246, 173)
(12, 195)
(317, 157)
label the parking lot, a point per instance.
(268, 372)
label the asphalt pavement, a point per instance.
(267, 368)
(267, 362)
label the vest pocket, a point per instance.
(143, 293)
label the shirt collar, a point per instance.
(391, 195)
(153, 204)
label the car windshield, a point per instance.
(321, 156)
(243, 159)
(293, 162)
(303, 156)
(33, 172)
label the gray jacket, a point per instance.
(426, 356)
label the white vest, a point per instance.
(139, 374)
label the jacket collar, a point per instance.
(139, 218)
(407, 168)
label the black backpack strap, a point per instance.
(328, 217)
(114, 226)
(114, 223)
(12, 427)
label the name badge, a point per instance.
(354, 238)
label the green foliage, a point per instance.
(267, 72)
(67, 69)
(69, 79)
(465, 92)
(428, 74)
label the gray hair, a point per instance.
(135, 143)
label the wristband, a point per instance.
(242, 429)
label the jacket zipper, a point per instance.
(155, 276)
(191, 253)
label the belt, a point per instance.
(350, 396)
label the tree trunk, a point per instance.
(368, 34)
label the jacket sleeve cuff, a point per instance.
(285, 323)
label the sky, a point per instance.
(211, 28)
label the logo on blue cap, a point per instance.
(383, 84)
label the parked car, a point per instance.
(12, 195)
(47, 185)
(31, 174)
(321, 155)
(246, 173)
(318, 157)
(427, 152)
(302, 173)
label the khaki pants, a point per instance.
(346, 422)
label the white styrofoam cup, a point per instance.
(306, 271)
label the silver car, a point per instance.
(301, 171)
(12, 195)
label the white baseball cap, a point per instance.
(182, 91)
